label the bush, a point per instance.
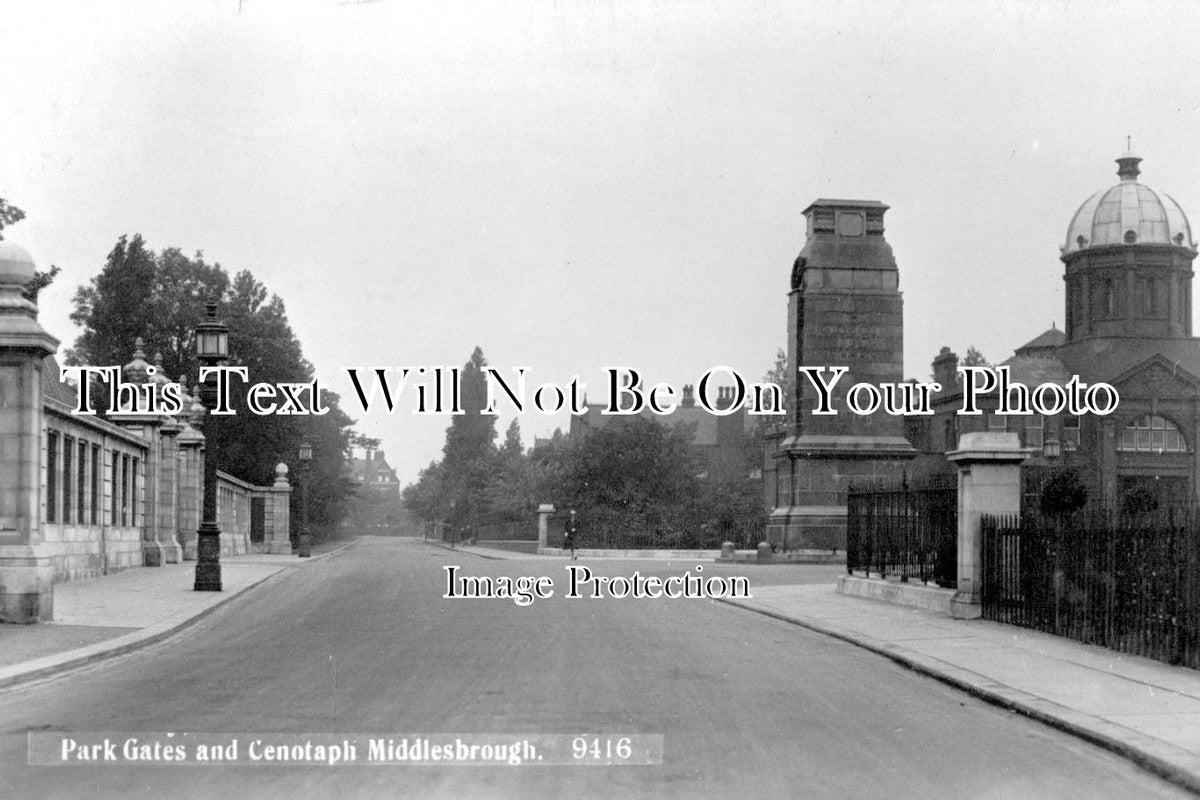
(1139, 500)
(1063, 494)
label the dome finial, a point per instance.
(1127, 165)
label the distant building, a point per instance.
(719, 441)
(375, 475)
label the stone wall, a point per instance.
(82, 496)
(92, 508)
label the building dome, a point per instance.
(1128, 213)
(16, 265)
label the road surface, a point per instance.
(364, 642)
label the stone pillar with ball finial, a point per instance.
(278, 513)
(26, 572)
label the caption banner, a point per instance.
(330, 749)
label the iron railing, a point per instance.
(1129, 583)
(903, 531)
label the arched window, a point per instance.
(1152, 434)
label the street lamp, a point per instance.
(306, 453)
(212, 347)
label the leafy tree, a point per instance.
(781, 376)
(469, 454)
(636, 477)
(117, 307)
(974, 358)
(510, 495)
(426, 497)
(160, 298)
(11, 215)
(365, 442)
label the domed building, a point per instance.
(1128, 256)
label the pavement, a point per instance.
(1139, 708)
(101, 617)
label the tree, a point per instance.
(509, 496)
(636, 478)
(426, 497)
(781, 376)
(160, 298)
(974, 358)
(11, 215)
(469, 454)
(117, 307)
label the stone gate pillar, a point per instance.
(190, 446)
(136, 417)
(26, 574)
(278, 513)
(544, 512)
(989, 482)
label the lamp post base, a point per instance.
(208, 562)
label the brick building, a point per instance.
(721, 442)
(1127, 260)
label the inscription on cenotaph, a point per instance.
(844, 309)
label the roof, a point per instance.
(1045, 342)
(370, 468)
(1126, 214)
(706, 423)
(55, 388)
(1033, 370)
(1103, 359)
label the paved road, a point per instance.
(748, 706)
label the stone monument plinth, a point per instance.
(844, 310)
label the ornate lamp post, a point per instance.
(212, 347)
(306, 453)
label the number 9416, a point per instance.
(599, 749)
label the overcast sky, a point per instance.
(573, 185)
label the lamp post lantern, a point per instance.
(212, 347)
(306, 454)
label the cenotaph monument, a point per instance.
(844, 310)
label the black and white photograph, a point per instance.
(599, 399)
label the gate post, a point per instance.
(279, 542)
(26, 568)
(989, 482)
(544, 512)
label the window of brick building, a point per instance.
(1035, 431)
(81, 484)
(97, 472)
(1070, 433)
(68, 477)
(1152, 434)
(52, 476)
(124, 489)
